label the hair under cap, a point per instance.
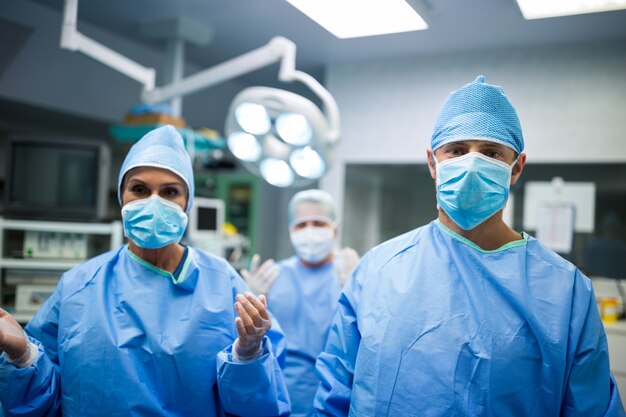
(318, 197)
(163, 148)
(478, 111)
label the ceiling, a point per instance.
(239, 26)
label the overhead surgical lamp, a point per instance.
(278, 135)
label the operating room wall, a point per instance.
(571, 101)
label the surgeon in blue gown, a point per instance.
(152, 328)
(303, 290)
(465, 316)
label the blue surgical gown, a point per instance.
(304, 301)
(430, 325)
(120, 338)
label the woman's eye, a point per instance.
(138, 189)
(171, 192)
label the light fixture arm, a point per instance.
(277, 49)
(75, 41)
(288, 73)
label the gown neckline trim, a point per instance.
(162, 272)
(472, 245)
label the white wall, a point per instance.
(571, 100)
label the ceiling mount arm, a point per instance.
(75, 41)
(277, 49)
(288, 73)
(243, 64)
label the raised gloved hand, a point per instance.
(13, 341)
(344, 261)
(260, 278)
(252, 325)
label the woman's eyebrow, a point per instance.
(170, 184)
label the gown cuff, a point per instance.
(27, 359)
(248, 358)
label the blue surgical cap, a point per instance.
(318, 197)
(164, 148)
(478, 111)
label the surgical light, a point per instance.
(244, 146)
(295, 150)
(356, 18)
(252, 118)
(278, 135)
(307, 163)
(539, 9)
(277, 172)
(293, 128)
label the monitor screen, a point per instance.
(56, 178)
(43, 176)
(206, 219)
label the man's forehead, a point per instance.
(477, 143)
(306, 208)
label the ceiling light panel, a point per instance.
(539, 9)
(357, 18)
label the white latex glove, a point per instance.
(252, 325)
(344, 262)
(260, 278)
(14, 344)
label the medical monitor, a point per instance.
(206, 219)
(57, 178)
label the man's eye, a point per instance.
(493, 154)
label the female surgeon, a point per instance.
(152, 328)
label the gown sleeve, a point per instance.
(35, 391)
(254, 388)
(335, 365)
(590, 388)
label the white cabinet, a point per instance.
(34, 254)
(616, 338)
(615, 333)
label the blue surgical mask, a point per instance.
(153, 222)
(472, 188)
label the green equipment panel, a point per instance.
(240, 193)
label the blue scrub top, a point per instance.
(431, 325)
(120, 337)
(304, 300)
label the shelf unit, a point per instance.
(55, 266)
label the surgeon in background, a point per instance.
(153, 328)
(302, 291)
(465, 316)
